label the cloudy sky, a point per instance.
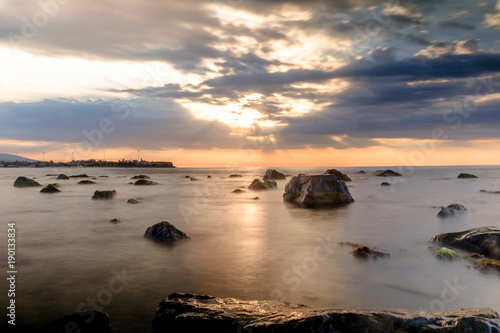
(252, 82)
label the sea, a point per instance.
(70, 257)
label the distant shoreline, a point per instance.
(88, 164)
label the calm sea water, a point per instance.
(69, 254)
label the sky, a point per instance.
(252, 82)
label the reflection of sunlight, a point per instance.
(250, 242)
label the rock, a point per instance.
(114, 220)
(364, 252)
(51, 175)
(85, 182)
(484, 264)
(466, 175)
(385, 184)
(492, 192)
(83, 322)
(145, 182)
(446, 253)
(165, 232)
(452, 210)
(192, 178)
(103, 176)
(361, 172)
(388, 173)
(209, 177)
(273, 174)
(104, 195)
(201, 313)
(133, 201)
(260, 184)
(313, 190)
(235, 176)
(62, 176)
(25, 182)
(256, 198)
(340, 176)
(79, 176)
(51, 188)
(485, 241)
(141, 177)
(238, 191)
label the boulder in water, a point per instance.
(452, 210)
(25, 182)
(388, 173)
(261, 184)
(273, 174)
(466, 175)
(165, 232)
(51, 188)
(317, 190)
(104, 195)
(62, 176)
(340, 176)
(145, 182)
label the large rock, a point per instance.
(82, 322)
(388, 173)
(25, 182)
(164, 232)
(197, 313)
(104, 195)
(51, 188)
(273, 174)
(261, 184)
(466, 175)
(452, 210)
(312, 190)
(485, 241)
(340, 176)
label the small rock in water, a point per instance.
(364, 252)
(385, 184)
(260, 184)
(145, 182)
(452, 210)
(235, 175)
(114, 220)
(192, 178)
(361, 172)
(209, 176)
(141, 177)
(133, 201)
(79, 176)
(340, 176)
(238, 191)
(85, 182)
(62, 176)
(25, 182)
(256, 198)
(388, 173)
(492, 192)
(165, 232)
(51, 188)
(104, 195)
(466, 175)
(446, 253)
(273, 174)
(103, 176)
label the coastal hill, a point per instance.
(14, 158)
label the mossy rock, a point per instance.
(446, 253)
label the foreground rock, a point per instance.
(466, 175)
(340, 176)
(25, 182)
(273, 174)
(388, 173)
(104, 195)
(484, 241)
(314, 190)
(261, 184)
(51, 188)
(452, 210)
(82, 322)
(165, 232)
(62, 176)
(141, 177)
(145, 182)
(197, 313)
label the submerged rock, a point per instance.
(83, 322)
(312, 190)
(273, 174)
(51, 188)
(388, 173)
(62, 176)
(261, 184)
(235, 176)
(141, 177)
(446, 253)
(133, 201)
(165, 232)
(340, 176)
(104, 195)
(201, 313)
(25, 182)
(85, 182)
(492, 192)
(364, 252)
(466, 175)
(484, 241)
(79, 176)
(452, 210)
(484, 264)
(145, 182)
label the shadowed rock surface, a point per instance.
(466, 175)
(62, 176)
(82, 322)
(51, 188)
(25, 182)
(85, 182)
(141, 177)
(104, 195)
(197, 313)
(145, 182)
(273, 174)
(165, 232)
(340, 176)
(261, 184)
(388, 173)
(313, 190)
(452, 210)
(485, 241)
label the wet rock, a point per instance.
(385, 184)
(79, 176)
(141, 177)
(466, 175)
(260, 184)
(145, 182)
(133, 201)
(82, 322)
(85, 182)
(164, 232)
(201, 313)
(51, 188)
(364, 252)
(273, 174)
(484, 264)
(25, 182)
(235, 176)
(446, 253)
(340, 176)
(388, 173)
(62, 176)
(314, 190)
(238, 191)
(452, 210)
(484, 241)
(104, 195)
